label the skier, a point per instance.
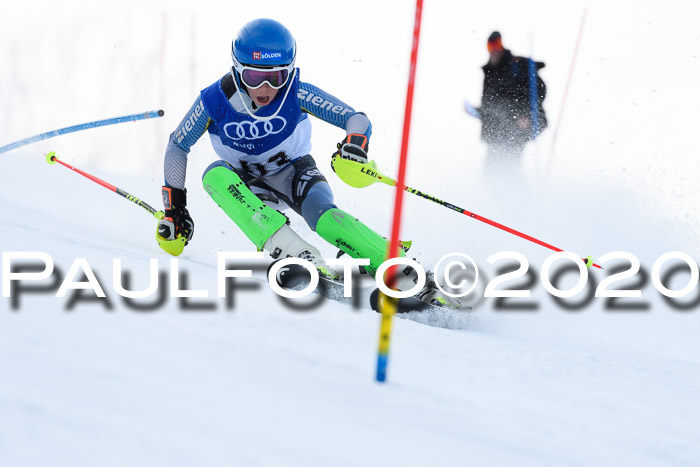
(257, 119)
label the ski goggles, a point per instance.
(276, 76)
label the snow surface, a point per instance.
(260, 383)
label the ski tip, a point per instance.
(51, 158)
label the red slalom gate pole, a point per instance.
(387, 305)
(566, 88)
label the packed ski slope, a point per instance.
(253, 381)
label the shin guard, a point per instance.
(341, 229)
(257, 220)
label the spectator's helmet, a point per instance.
(263, 51)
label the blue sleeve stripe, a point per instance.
(192, 127)
(323, 105)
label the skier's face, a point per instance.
(263, 95)
(495, 57)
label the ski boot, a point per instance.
(430, 293)
(287, 243)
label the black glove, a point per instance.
(354, 147)
(177, 221)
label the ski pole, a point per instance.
(360, 175)
(83, 126)
(52, 159)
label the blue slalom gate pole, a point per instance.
(83, 126)
(534, 101)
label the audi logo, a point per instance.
(254, 129)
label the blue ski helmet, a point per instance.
(263, 43)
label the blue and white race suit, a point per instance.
(267, 146)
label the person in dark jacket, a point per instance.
(507, 117)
